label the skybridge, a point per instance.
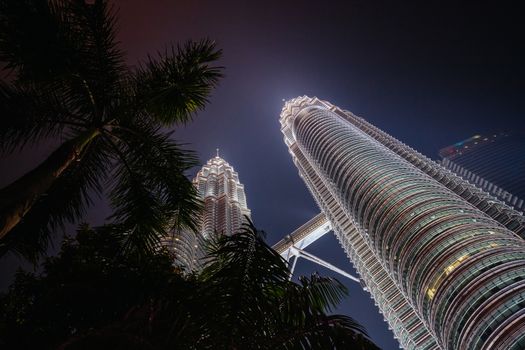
(292, 246)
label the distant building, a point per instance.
(224, 211)
(495, 163)
(441, 259)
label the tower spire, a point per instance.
(217, 152)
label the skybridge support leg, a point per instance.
(308, 256)
(295, 258)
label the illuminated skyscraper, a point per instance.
(224, 198)
(224, 211)
(441, 258)
(496, 163)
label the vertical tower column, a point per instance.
(461, 272)
(224, 212)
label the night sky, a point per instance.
(430, 73)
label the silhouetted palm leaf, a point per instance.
(29, 116)
(246, 301)
(177, 83)
(68, 81)
(64, 202)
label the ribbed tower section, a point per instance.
(225, 208)
(444, 273)
(224, 198)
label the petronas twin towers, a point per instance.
(443, 260)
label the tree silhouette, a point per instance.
(68, 81)
(93, 295)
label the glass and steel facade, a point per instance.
(224, 198)
(224, 211)
(442, 260)
(495, 163)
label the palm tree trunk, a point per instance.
(17, 198)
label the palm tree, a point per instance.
(248, 302)
(68, 82)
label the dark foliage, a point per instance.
(94, 295)
(90, 285)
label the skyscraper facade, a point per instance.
(224, 211)
(442, 260)
(495, 163)
(224, 198)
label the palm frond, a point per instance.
(56, 40)
(177, 83)
(28, 116)
(150, 184)
(100, 80)
(324, 332)
(246, 254)
(38, 40)
(246, 299)
(138, 211)
(68, 47)
(65, 202)
(241, 283)
(323, 293)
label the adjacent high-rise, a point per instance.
(224, 211)
(495, 163)
(442, 259)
